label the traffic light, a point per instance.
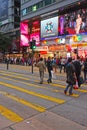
(33, 44)
(30, 45)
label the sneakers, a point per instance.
(70, 94)
(49, 81)
(65, 92)
(41, 82)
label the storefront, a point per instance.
(66, 33)
(63, 33)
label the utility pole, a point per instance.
(32, 46)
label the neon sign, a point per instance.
(77, 38)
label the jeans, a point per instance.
(70, 90)
(62, 67)
(41, 76)
(50, 76)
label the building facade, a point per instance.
(53, 23)
(10, 18)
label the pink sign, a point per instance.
(24, 41)
(35, 36)
(24, 28)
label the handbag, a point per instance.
(53, 74)
(76, 85)
(71, 80)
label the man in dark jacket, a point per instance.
(85, 70)
(70, 75)
(50, 68)
(77, 69)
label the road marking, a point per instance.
(74, 94)
(53, 99)
(34, 77)
(54, 85)
(16, 77)
(10, 115)
(24, 102)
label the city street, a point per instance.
(25, 104)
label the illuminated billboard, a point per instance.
(73, 23)
(24, 28)
(49, 27)
(3, 10)
(35, 36)
(24, 40)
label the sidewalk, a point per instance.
(47, 121)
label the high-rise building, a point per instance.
(10, 18)
(9, 15)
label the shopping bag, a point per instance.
(76, 85)
(53, 74)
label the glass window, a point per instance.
(40, 5)
(29, 9)
(24, 11)
(47, 2)
(34, 7)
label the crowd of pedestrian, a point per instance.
(72, 67)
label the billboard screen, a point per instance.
(3, 9)
(73, 23)
(35, 36)
(24, 28)
(24, 40)
(49, 27)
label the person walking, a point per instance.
(71, 76)
(77, 65)
(42, 68)
(85, 70)
(49, 68)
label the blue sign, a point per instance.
(3, 10)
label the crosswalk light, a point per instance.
(33, 44)
(30, 45)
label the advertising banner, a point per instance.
(24, 40)
(49, 27)
(74, 22)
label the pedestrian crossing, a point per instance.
(31, 94)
